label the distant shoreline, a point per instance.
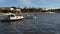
(31, 13)
(37, 13)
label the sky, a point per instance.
(31, 3)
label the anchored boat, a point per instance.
(12, 17)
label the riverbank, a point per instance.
(40, 13)
(29, 13)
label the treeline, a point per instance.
(34, 10)
(31, 10)
(21, 10)
(55, 10)
(26, 10)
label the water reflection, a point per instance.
(10, 27)
(19, 27)
(44, 24)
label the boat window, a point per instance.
(12, 15)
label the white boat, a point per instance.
(11, 17)
(31, 17)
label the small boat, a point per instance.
(12, 17)
(30, 17)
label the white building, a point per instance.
(11, 8)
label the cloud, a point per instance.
(32, 3)
(27, 2)
(2, 1)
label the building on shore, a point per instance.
(10, 9)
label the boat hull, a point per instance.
(11, 20)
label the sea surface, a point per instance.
(43, 24)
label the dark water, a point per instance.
(44, 24)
